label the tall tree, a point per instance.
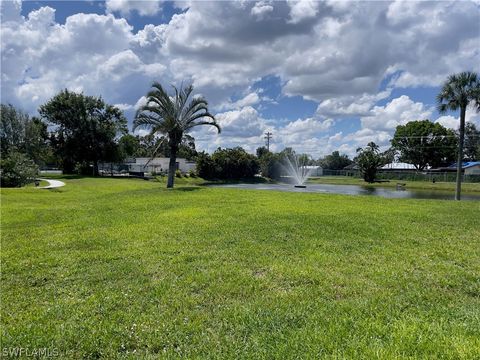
(86, 128)
(424, 143)
(173, 117)
(472, 143)
(457, 93)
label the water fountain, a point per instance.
(297, 170)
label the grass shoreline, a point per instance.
(414, 185)
(471, 188)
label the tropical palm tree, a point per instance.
(173, 116)
(457, 93)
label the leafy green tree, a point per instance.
(12, 128)
(173, 117)
(424, 143)
(305, 160)
(206, 167)
(335, 161)
(369, 160)
(269, 163)
(472, 143)
(86, 128)
(457, 93)
(17, 170)
(233, 163)
(261, 151)
(19, 132)
(129, 145)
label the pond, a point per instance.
(357, 190)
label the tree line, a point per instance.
(76, 132)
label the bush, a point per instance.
(84, 168)
(17, 170)
(206, 166)
(192, 174)
(369, 160)
(178, 174)
(233, 163)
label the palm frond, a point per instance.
(211, 123)
(458, 91)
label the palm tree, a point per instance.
(173, 117)
(458, 91)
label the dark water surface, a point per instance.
(392, 193)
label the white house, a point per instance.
(398, 166)
(158, 164)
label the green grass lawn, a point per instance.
(418, 185)
(119, 268)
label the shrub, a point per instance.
(369, 160)
(206, 166)
(17, 170)
(178, 174)
(233, 163)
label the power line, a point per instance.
(431, 137)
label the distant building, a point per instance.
(472, 168)
(468, 168)
(158, 164)
(398, 166)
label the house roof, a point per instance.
(399, 165)
(466, 165)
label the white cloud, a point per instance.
(350, 105)
(453, 122)
(10, 10)
(448, 121)
(142, 7)
(261, 9)
(302, 9)
(252, 98)
(309, 125)
(399, 111)
(241, 123)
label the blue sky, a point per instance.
(322, 76)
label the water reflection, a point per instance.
(394, 193)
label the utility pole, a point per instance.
(268, 136)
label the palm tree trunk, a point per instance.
(172, 166)
(458, 188)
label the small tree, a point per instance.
(369, 160)
(17, 170)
